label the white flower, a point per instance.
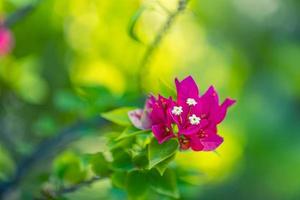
(191, 102)
(194, 120)
(177, 110)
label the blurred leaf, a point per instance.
(141, 159)
(68, 101)
(45, 126)
(99, 98)
(130, 132)
(68, 167)
(162, 166)
(125, 143)
(118, 116)
(7, 164)
(99, 164)
(137, 184)
(121, 160)
(118, 179)
(166, 184)
(160, 152)
(133, 22)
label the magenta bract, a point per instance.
(6, 41)
(196, 116)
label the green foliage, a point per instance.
(162, 166)
(69, 102)
(69, 168)
(160, 152)
(122, 160)
(130, 132)
(100, 165)
(118, 116)
(7, 164)
(137, 184)
(118, 179)
(164, 184)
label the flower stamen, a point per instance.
(194, 120)
(191, 102)
(177, 110)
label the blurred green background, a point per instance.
(76, 58)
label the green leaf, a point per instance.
(130, 132)
(67, 101)
(137, 184)
(118, 179)
(157, 153)
(161, 167)
(133, 22)
(118, 116)
(166, 184)
(7, 165)
(121, 160)
(100, 165)
(68, 167)
(141, 159)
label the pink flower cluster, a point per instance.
(192, 118)
(6, 40)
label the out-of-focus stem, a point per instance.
(20, 14)
(143, 67)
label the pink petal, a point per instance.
(211, 142)
(195, 143)
(161, 133)
(6, 41)
(187, 88)
(223, 110)
(194, 129)
(135, 118)
(211, 96)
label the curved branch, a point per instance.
(48, 149)
(20, 14)
(157, 40)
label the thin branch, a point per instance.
(20, 14)
(78, 186)
(157, 40)
(47, 149)
(47, 194)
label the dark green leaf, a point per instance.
(118, 116)
(160, 152)
(118, 179)
(166, 184)
(121, 160)
(141, 159)
(100, 165)
(137, 184)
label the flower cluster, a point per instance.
(192, 118)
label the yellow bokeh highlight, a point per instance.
(99, 73)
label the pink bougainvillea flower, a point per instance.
(196, 117)
(6, 40)
(200, 115)
(154, 116)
